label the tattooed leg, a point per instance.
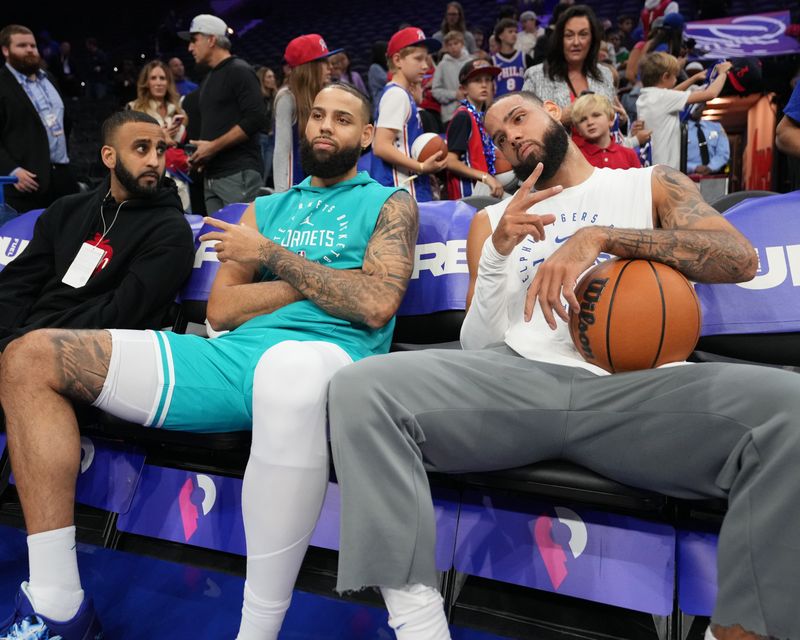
(41, 374)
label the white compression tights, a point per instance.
(286, 476)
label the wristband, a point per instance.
(484, 177)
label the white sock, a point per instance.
(261, 619)
(286, 477)
(54, 587)
(709, 635)
(416, 613)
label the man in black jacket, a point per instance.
(33, 143)
(138, 247)
(231, 116)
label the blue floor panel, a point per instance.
(142, 597)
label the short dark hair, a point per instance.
(528, 96)
(366, 103)
(12, 30)
(502, 25)
(120, 118)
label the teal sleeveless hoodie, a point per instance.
(331, 226)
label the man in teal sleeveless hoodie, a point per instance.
(309, 282)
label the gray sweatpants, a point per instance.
(242, 186)
(696, 431)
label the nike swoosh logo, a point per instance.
(564, 239)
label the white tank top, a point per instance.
(610, 198)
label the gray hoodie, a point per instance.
(445, 83)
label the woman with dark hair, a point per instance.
(378, 71)
(454, 20)
(308, 56)
(571, 67)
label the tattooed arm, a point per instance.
(367, 296)
(235, 298)
(692, 237)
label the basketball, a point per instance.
(501, 165)
(635, 314)
(503, 170)
(427, 145)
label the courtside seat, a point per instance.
(723, 203)
(561, 480)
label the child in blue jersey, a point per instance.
(309, 59)
(398, 123)
(309, 282)
(510, 61)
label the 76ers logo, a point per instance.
(552, 551)
(203, 495)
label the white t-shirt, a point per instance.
(660, 109)
(394, 113)
(609, 197)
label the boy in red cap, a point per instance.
(471, 154)
(397, 122)
(308, 58)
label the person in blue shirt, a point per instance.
(33, 140)
(182, 83)
(708, 150)
(787, 135)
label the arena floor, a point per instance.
(144, 597)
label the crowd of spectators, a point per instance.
(559, 57)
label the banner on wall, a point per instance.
(760, 34)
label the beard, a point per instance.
(550, 152)
(27, 65)
(131, 183)
(328, 164)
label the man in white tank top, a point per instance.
(493, 407)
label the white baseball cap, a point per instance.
(206, 24)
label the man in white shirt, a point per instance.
(533, 398)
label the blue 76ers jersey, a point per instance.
(511, 75)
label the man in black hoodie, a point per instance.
(130, 235)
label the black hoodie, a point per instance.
(149, 253)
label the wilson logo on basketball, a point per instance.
(586, 317)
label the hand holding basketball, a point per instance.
(516, 223)
(634, 314)
(558, 274)
(434, 163)
(430, 150)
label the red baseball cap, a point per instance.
(411, 37)
(307, 48)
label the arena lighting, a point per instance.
(713, 112)
(230, 31)
(115, 69)
(142, 56)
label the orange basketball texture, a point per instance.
(635, 314)
(431, 148)
(501, 165)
